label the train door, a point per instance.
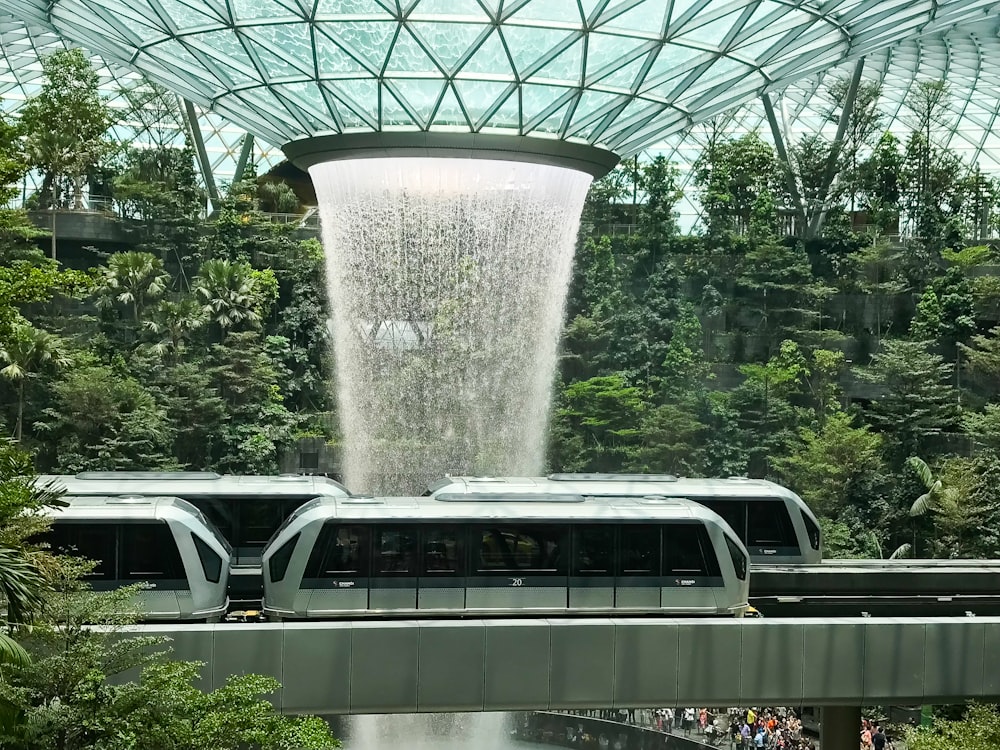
(691, 570)
(592, 571)
(337, 573)
(442, 568)
(517, 566)
(394, 573)
(637, 580)
(148, 553)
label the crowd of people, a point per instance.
(743, 728)
(775, 728)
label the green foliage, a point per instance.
(926, 324)
(968, 257)
(828, 463)
(979, 729)
(917, 401)
(26, 354)
(133, 279)
(234, 295)
(103, 420)
(64, 125)
(734, 174)
(246, 375)
(596, 425)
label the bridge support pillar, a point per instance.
(840, 727)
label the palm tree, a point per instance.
(230, 294)
(21, 584)
(134, 278)
(176, 322)
(26, 353)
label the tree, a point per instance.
(776, 282)
(27, 352)
(103, 419)
(134, 279)
(303, 321)
(65, 123)
(984, 427)
(176, 322)
(73, 696)
(160, 205)
(826, 464)
(917, 402)
(768, 416)
(246, 374)
(671, 438)
(733, 175)
(596, 425)
(22, 580)
(233, 294)
(879, 183)
(982, 357)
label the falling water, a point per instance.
(447, 280)
(475, 731)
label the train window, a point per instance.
(441, 552)
(739, 559)
(768, 524)
(733, 512)
(220, 511)
(639, 551)
(593, 551)
(277, 565)
(94, 541)
(211, 563)
(395, 551)
(812, 529)
(260, 516)
(149, 552)
(339, 550)
(528, 549)
(687, 550)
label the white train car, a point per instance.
(773, 522)
(164, 542)
(510, 555)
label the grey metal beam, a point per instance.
(241, 164)
(536, 664)
(191, 119)
(838, 142)
(779, 146)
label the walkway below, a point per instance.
(538, 664)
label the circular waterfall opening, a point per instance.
(447, 279)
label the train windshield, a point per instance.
(739, 559)
(812, 528)
(306, 506)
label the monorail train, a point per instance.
(246, 509)
(163, 541)
(452, 555)
(772, 521)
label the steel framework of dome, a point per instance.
(21, 51)
(965, 57)
(617, 74)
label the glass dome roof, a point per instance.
(619, 74)
(964, 57)
(21, 52)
